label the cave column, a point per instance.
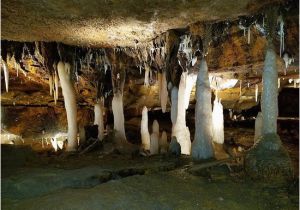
(69, 95)
(118, 80)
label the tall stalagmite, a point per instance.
(180, 130)
(268, 159)
(98, 110)
(144, 129)
(202, 145)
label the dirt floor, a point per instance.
(96, 181)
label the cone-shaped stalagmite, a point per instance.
(202, 145)
(268, 160)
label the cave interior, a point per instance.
(150, 104)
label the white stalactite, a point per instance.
(98, 110)
(117, 107)
(281, 33)
(70, 103)
(159, 80)
(241, 87)
(190, 83)
(258, 127)
(202, 145)
(6, 74)
(50, 84)
(164, 92)
(269, 102)
(144, 129)
(163, 143)
(56, 87)
(218, 122)
(174, 105)
(249, 34)
(180, 130)
(147, 72)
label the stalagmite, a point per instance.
(6, 74)
(154, 138)
(278, 82)
(268, 160)
(269, 102)
(70, 103)
(202, 145)
(218, 122)
(163, 92)
(174, 105)
(118, 80)
(144, 129)
(98, 110)
(256, 92)
(190, 83)
(117, 107)
(180, 130)
(258, 127)
(163, 143)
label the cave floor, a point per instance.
(93, 181)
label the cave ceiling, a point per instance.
(107, 23)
